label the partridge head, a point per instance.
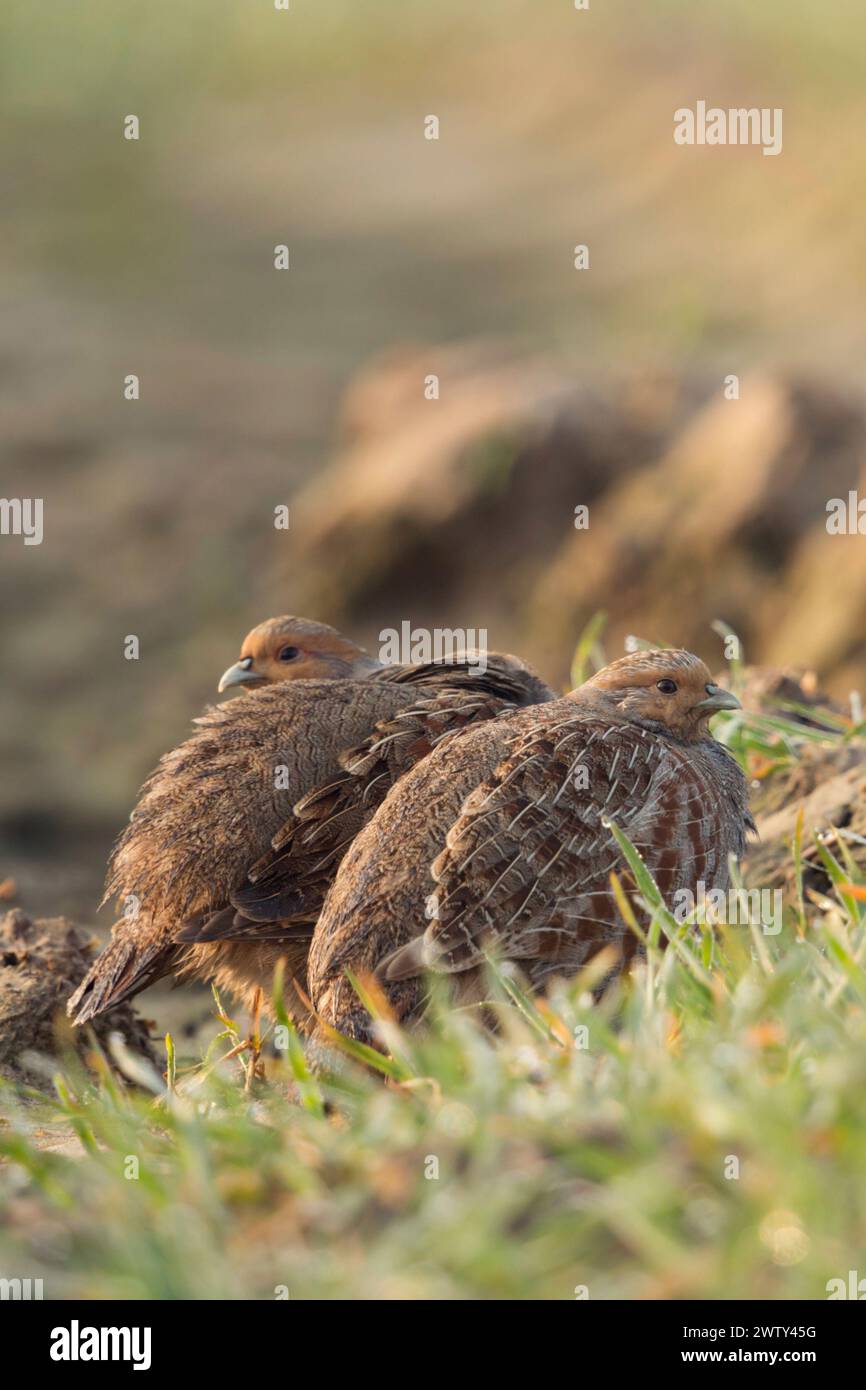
(669, 691)
(289, 648)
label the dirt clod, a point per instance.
(41, 962)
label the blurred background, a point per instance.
(409, 258)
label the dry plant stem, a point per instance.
(254, 1042)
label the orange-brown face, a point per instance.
(669, 687)
(286, 649)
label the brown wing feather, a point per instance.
(502, 675)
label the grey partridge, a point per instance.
(215, 804)
(499, 837)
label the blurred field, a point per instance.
(156, 257)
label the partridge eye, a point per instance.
(289, 653)
(667, 687)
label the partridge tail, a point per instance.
(122, 969)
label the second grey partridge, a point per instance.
(498, 838)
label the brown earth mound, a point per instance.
(462, 508)
(41, 962)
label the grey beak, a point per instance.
(717, 699)
(239, 674)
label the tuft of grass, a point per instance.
(588, 651)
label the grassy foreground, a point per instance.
(698, 1132)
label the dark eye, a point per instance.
(667, 687)
(289, 653)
